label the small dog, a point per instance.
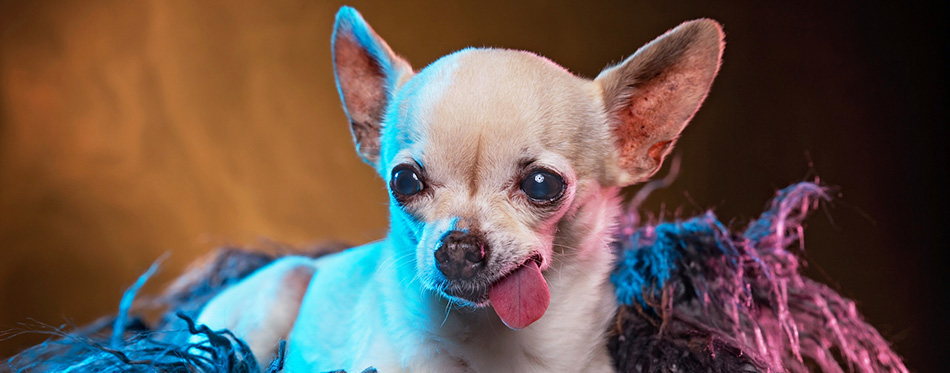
(504, 171)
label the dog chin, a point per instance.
(467, 303)
(468, 299)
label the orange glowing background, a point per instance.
(129, 129)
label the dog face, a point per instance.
(498, 158)
(488, 153)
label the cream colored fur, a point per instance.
(476, 121)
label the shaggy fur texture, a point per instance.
(695, 297)
(699, 297)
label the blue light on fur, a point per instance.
(651, 256)
(350, 22)
(126, 304)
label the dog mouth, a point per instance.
(519, 297)
(476, 293)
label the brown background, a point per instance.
(131, 129)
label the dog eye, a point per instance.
(543, 185)
(405, 181)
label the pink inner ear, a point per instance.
(361, 78)
(653, 116)
(654, 93)
(363, 87)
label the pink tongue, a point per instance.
(522, 297)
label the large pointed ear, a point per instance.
(652, 95)
(367, 74)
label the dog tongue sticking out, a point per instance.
(521, 297)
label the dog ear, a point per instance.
(367, 74)
(652, 95)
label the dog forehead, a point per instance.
(497, 87)
(496, 97)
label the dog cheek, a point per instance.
(432, 233)
(512, 245)
(566, 210)
(425, 259)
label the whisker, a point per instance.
(448, 308)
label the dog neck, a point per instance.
(575, 323)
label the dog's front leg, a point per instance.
(262, 308)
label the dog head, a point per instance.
(488, 153)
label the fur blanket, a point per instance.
(695, 296)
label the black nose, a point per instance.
(461, 256)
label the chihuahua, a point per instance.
(504, 172)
